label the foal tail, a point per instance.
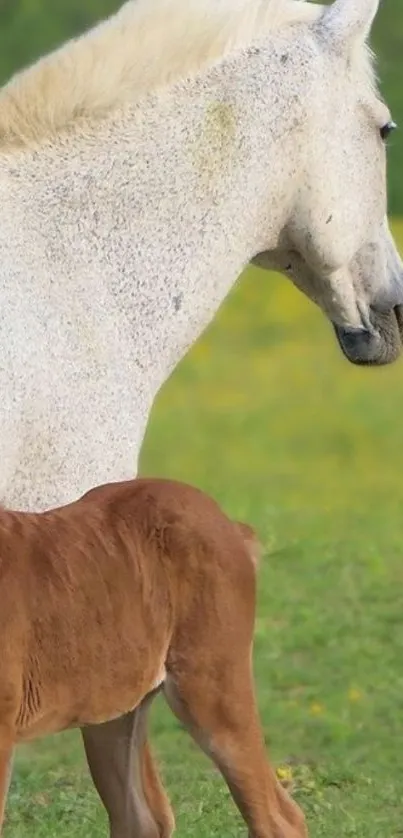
(251, 541)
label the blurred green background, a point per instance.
(266, 415)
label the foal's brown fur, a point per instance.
(136, 587)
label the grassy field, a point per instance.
(267, 416)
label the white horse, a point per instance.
(141, 168)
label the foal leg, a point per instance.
(6, 755)
(223, 720)
(126, 778)
(147, 774)
(112, 754)
(155, 793)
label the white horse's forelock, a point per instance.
(145, 45)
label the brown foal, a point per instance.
(137, 587)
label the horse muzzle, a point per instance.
(376, 346)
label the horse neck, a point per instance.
(161, 210)
(124, 242)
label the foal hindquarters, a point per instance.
(209, 686)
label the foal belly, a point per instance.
(72, 708)
(101, 646)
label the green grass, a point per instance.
(267, 416)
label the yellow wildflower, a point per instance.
(354, 694)
(316, 708)
(284, 773)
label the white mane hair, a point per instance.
(145, 45)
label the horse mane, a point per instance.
(145, 45)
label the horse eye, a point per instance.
(387, 129)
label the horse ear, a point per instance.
(346, 21)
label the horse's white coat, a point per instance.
(131, 202)
(145, 46)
